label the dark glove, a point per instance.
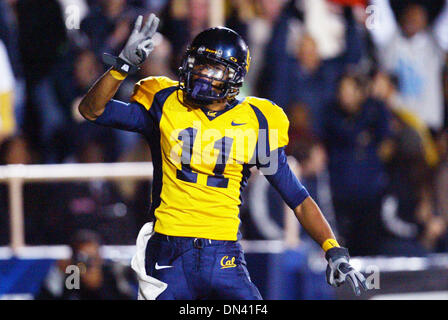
(339, 270)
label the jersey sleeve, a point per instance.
(273, 122)
(286, 182)
(126, 116)
(273, 125)
(278, 128)
(146, 89)
(270, 154)
(143, 112)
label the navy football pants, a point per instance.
(196, 268)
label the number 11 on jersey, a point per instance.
(223, 145)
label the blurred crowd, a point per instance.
(364, 83)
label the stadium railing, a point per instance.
(16, 175)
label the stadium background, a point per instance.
(365, 86)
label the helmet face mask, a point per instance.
(213, 67)
(207, 81)
(203, 67)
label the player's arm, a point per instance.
(135, 52)
(339, 269)
(313, 221)
(94, 102)
(298, 199)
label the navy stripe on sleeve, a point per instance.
(261, 155)
(159, 101)
(286, 182)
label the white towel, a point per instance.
(149, 288)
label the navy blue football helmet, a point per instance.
(214, 66)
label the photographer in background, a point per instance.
(99, 279)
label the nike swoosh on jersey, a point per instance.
(237, 124)
(158, 267)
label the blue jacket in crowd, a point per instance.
(352, 141)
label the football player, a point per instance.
(203, 142)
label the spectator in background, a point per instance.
(312, 156)
(9, 36)
(99, 279)
(299, 276)
(42, 35)
(310, 152)
(42, 40)
(238, 13)
(355, 127)
(37, 196)
(302, 75)
(64, 141)
(415, 51)
(259, 29)
(7, 25)
(155, 6)
(7, 118)
(136, 192)
(410, 154)
(108, 26)
(74, 12)
(441, 188)
(385, 87)
(85, 68)
(97, 204)
(159, 64)
(182, 21)
(445, 93)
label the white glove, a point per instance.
(140, 43)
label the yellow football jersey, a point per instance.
(202, 158)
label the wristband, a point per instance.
(329, 243)
(117, 74)
(119, 64)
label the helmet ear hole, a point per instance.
(190, 61)
(231, 73)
